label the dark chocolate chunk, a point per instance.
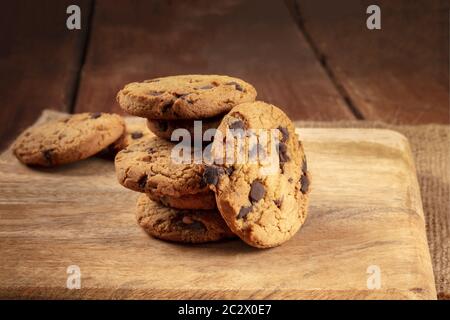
(304, 182)
(142, 182)
(211, 175)
(193, 224)
(238, 124)
(282, 153)
(197, 225)
(206, 87)
(184, 221)
(136, 135)
(166, 107)
(257, 191)
(244, 212)
(285, 133)
(278, 202)
(202, 183)
(229, 171)
(163, 125)
(237, 86)
(96, 115)
(48, 156)
(304, 165)
(257, 152)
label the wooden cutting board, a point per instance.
(365, 227)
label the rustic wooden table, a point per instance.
(315, 59)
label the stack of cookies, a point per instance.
(186, 200)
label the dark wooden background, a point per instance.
(315, 59)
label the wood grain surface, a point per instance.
(365, 210)
(39, 61)
(399, 74)
(256, 40)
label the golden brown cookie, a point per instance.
(187, 226)
(263, 201)
(185, 96)
(73, 138)
(147, 167)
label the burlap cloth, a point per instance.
(430, 145)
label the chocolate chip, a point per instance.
(211, 175)
(257, 151)
(188, 222)
(284, 133)
(48, 156)
(202, 183)
(163, 125)
(166, 107)
(304, 182)
(244, 212)
(304, 165)
(206, 87)
(257, 191)
(278, 202)
(229, 171)
(197, 225)
(136, 135)
(164, 201)
(96, 115)
(142, 182)
(237, 86)
(238, 124)
(282, 153)
(290, 180)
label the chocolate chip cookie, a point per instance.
(187, 226)
(70, 139)
(263, 200)
(148, 167)
(185, 96)
(165, 128)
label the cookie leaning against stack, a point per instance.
(263, 202)
(67, 140)
(171, 103)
